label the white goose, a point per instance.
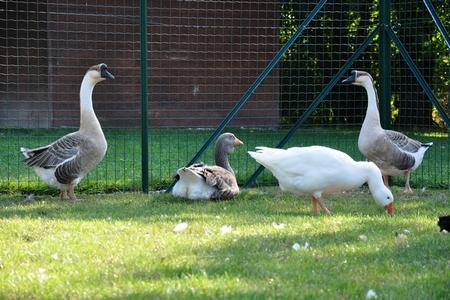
(63, 163)
(316, 170)
(201, 181)
(393, 152)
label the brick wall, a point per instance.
(203, 55)
(23, 65)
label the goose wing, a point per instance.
(386, 153)
(402, 141)
(64, 149)
(63, 155)
(221, 179)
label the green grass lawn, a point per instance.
(123, 246)
(173, 148)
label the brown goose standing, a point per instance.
(393, 152)
(63, 163)
(201, 181)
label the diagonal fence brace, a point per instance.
(437, 21)
(319, 98)
(256, 84)
(426, 87)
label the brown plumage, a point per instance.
(217, 182)
(393, 152)
(221, 179)
(63, 163)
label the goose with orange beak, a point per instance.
(201, 181)
(318, 170)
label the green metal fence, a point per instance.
(212, 66)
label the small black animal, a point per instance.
(444, 223)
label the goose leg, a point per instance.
(386, 180)
(63, 194)
(408, 189)
(322, 205)
(71, 193)
(315, 207)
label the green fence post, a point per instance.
(385, 64)
(144, 97)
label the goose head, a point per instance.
(225, 145)
(360, 78)
(381, 194)
(99, 73)
(227, 142)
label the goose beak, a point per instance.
(238, 142)
(389, 209)
(350, 79)
(106, 74)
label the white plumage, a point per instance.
(317, 170)
(192, 185)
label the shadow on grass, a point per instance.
(261, 204)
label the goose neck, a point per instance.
(373, 175)
(222, 160)
(88, 119)
(372, 114)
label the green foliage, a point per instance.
(121, 246)
(335, 34)
(437, 45)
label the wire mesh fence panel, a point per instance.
(46, 48)
(204, 60)
(203, 36)
(203, 56)
(412, 111)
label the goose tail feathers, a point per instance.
(427, 145)
(25, 152)
(254, 154)
(188, 175)
(264, 155)
(266, 150)
(32, 154)
(258, 156)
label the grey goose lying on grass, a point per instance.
(393, 152)
(63, 163)
(201, 181)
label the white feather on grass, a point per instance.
(182, 226)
